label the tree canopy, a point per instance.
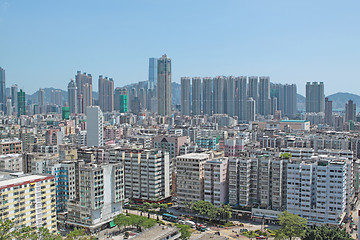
(326, 233)
(292, 226)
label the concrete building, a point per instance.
(207, 96)
(14, 91)
(251, 110)
(101, 195)
(147, 174)
(328, 119)
(28, 200)
(160, 233)
(350, 111)
(94, 126)
(106, 94)
(152, 72)
(287, 101)
(84, 91)
(21, 103)
(264, 96)
(230, 98)
(72, 97)
(164, 86)
(185, 96)
(241, 98)
(216, 181)
(10, 146)
(219, 95)
(170, 144)
(2, 89)
(121, 100)
(196, 96)
(254, 90)
(12, 162)
(317, 190)
(190, 177)
(315, 97)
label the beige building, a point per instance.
(8, 146)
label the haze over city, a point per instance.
(44, 43)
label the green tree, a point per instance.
(184, 230)
(226, 211)
(7, 230)
(42, 233)
(78, 234)
(203, 207)
(291, 226)
(325, 232)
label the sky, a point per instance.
(44, 42)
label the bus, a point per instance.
(170, 218)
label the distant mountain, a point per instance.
(301, 100)
(33, 98)
(340, 99)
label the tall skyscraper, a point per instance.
(350, 111)
(84, 91)
(254, 90)
(264, 96)
(196, 96)
(121, 100)
(94, 126)
(72, 97)
(288, 100)
(21, 103)
(142, 98)
(2, 89)
(185, 96)
(14, 91)
(315, 97)
(152, 72)
(106, 94)
(251, 110)
(164, 85)
(241, 98)
(58, 97)
(219, 96)
(207, 96)
(230, 83)
(41, 97)
(328, 112)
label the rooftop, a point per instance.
(8, 178)
(295, 121)
(157, 233)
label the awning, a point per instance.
(112, 224)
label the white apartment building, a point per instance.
(317, 189)
(216, 181)
(147, 174)
(100, 195)
(190, 177)
(12, 162)
(94, 126)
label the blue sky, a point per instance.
(43, 43)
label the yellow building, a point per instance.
(28, 200)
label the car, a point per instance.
(181, 221)
(261, 237)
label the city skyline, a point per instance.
(290, 42)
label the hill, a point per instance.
(341, 98)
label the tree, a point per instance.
(184, 230)
(203, 207)
(325, 232)
(291, 226)
(6, 230)
(226, 211)
(78, 234)
(40, 234)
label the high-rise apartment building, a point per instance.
(72, 97)
(315, 97)
(264, 96)
(219, 95)
(84, 91)
(153, 73)
(58, 97)
(241, 98)
(185, 96)
(121, 100)
(216, 181)
(106, 94)
(14, 91)
(164, 86)
(230, 97)
(287, 101)
(21, 103)
(350, 111)
(196, 96)
(41, 100)
(253, 91)
(147, 174)
(207, 96)
(28, 200)
(251, 110)
(101, 195)
(328, 112)
(94, 126)
(2, 89)
(190, 177)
